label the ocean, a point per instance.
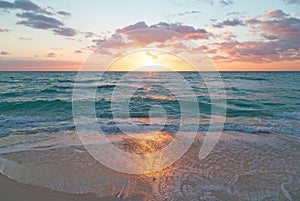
(36, 116)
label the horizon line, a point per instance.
(66, 71)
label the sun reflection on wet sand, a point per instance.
(241, 167)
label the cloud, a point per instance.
(98, 41)
(25, 38)
(275, 14)
(126, 37)
(226, 2)
(4, 53)
(232, 23)
(185, 30)
(285, 28)
(4, 30)
(222, 2)
(269, 36)
(16, 64)
(64, 13)
(139, 25)
(39, 21)
(89, 34)
(228, 36)
(189, 12)
(78, 51)
(24, 5)
(292, 1)
(155, 36)
(36, 17)
(51, 54)
(65, 31)
(280, 40)
(236, 13)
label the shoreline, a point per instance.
(241, 167)
(11, 190)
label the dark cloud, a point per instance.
(234, 22)
(78, 51)
(36, 17)
(24, 5)
(39, 21)
(64, 13)
(65, 31)
(4, 53)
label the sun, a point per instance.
(150, 62)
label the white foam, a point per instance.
(9, 168)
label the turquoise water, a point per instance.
(34, 103)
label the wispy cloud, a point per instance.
(292, 1)
(4, 30)
(17, 64)
(232, 23)
(226, 2)
(222, 2)
(4, 53)
(51, 54)
(25, 38)
(64, 13)
(189, 13)
(78, 51)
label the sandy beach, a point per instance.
(241, 167)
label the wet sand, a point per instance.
(11, 190)
(241, 167)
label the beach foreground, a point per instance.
(241, 167)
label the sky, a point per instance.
(236, 35)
